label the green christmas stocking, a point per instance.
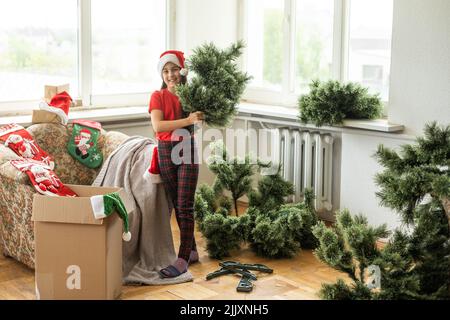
(83, 144)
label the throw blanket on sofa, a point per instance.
(151, 247)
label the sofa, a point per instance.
(16, 191)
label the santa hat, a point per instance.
(153, 172)
(59, 105)
(85, 132)
(104, 205)
(174, 56)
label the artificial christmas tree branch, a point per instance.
(233, 175)
(349, 246)
(271, 192)
(272, 228)
(217, 85)
(415, 263)
(330, 102)
(417, 170)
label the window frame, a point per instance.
(340, 54)
(85, 96)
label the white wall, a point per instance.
(358, 170)
(420, 66)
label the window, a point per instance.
(106, 50)
(372, 73)
(127, 40)
(313, 42)
(370, 44)
(265, 49)
(37, 46)
(292, 42)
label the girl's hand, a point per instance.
(195, 117)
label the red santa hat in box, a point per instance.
(59, 105)
(153, 172)
(174, 56)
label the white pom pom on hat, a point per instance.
(59, 105)
(184, 72)
(174, 56)
(126, 236)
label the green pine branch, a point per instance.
(217, 84)
(330, 102)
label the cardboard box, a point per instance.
(77, 103)
(77, 256)
(43, 116)
(51, 90)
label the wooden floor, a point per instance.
(298, 278)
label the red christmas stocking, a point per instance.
(153, 172)
(43, 178)
(21, 142)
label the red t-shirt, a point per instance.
(170, 106)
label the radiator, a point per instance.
(307, 161)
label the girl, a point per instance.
(180, 180)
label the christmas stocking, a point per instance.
(83, 143)
(43, 178)
(21, 142)
(153, 172)
(104, 205)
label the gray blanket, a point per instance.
(151, 247)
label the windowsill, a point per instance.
(291, 114)
(103, 115)
(247, 111)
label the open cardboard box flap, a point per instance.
(73, 209)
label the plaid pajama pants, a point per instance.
(180, 182)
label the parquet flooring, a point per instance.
(298, 278)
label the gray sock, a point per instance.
(180, 264)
